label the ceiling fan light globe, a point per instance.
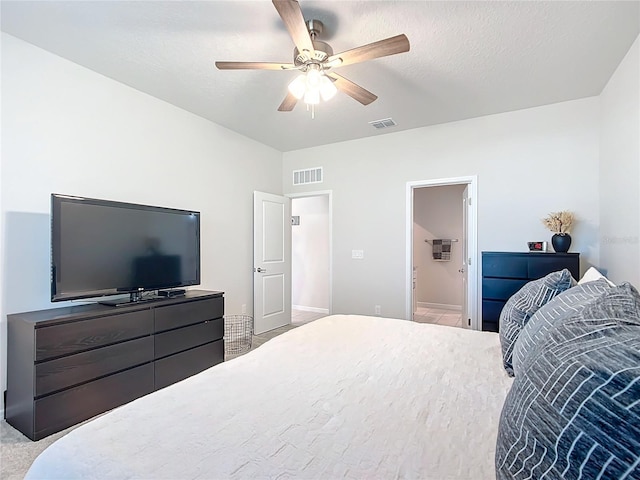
(327, 89)
(312, 97)
(314, 79)
(298, 86)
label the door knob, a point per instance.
(261, 270)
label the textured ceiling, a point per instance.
(467, 59)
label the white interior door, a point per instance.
(271, 261)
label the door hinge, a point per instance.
(469, 261)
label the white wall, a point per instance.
(66, 129)
(528, 163)
(310, 254)
(620, 171)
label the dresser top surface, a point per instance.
(534, 254)
(88, 310)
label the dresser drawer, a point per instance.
(505, 266)
(182, 365)
(501, 288)
(544, 264)
(61, 410)
(73, 337)
(82, 367)
(188, 313)
(491, 310)
(489, 326)
(175, 341)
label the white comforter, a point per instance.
(344, 396)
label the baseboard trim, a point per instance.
(310, 309)
(442, 306)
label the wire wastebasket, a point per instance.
(238, 330)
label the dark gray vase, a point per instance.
(561, 242)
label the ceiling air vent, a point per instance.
(310, 175)
(384, 123)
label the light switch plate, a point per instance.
(359, 254)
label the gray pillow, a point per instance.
(523, 304)
(557, 310)
(573, 410)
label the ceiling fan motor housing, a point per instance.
(322, 50)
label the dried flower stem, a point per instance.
(559, 222)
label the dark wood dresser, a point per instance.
(504, 273)
(66, 365)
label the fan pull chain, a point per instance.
(313, 110)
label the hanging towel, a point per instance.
(442, 249)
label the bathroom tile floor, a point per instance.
(452, 318)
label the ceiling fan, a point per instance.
(315, 59)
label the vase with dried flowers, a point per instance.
(560, 223)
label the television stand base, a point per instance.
(134, 297)
(171, 293)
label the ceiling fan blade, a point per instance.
(355, 91)
(254, 66)
(289, 11)
(381, 48)
(288, 103)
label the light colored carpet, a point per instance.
(17, 452)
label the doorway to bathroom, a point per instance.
(441, 266)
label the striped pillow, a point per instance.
(574, 409)
(523, 304)
(566, 304)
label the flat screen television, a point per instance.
(102, 247)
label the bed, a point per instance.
(345, 396)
